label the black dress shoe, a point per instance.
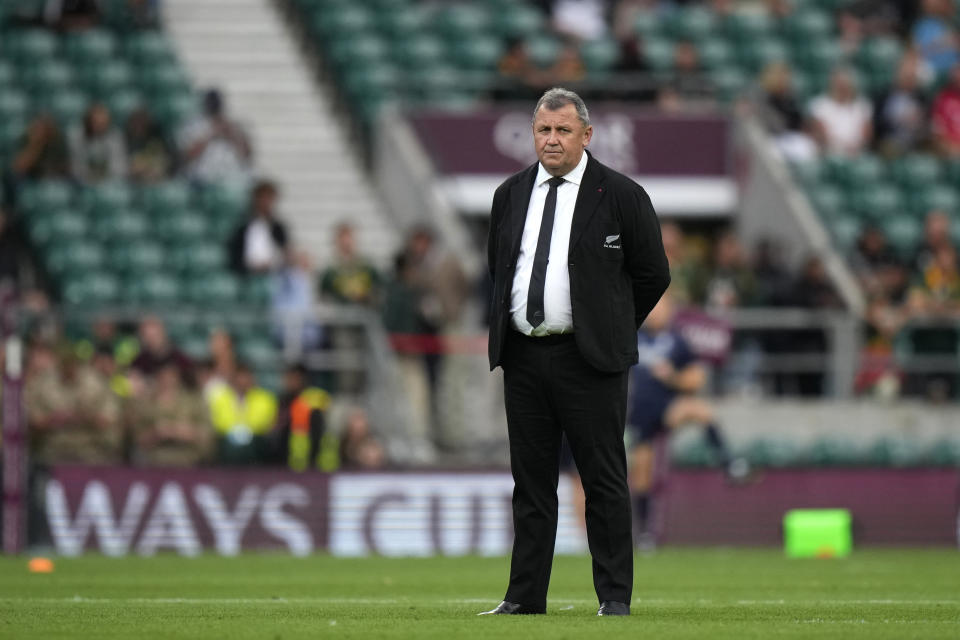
(511, 609)
(611, 608)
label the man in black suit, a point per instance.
(577, 263)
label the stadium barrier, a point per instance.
(118, 511)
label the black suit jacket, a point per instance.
(617, 266)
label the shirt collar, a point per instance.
(575, 176)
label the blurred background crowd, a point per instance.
(155, 274)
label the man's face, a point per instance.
(560, 138)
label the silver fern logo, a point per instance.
(608, 243)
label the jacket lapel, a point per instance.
(588, 197)
(519, 203)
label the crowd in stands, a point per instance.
(117, 398)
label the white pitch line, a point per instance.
(388, 601)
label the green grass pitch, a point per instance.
(740, 594)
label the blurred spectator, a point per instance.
(936, 234)
(842, 117)
(945, 124)
(12, 247)
(243, 415)
(683, 269)
(222, 364)
(156, 350)
(729, 281)
(880, 271)
(304, 438)
(170, 426)
(97, 150)
(437, 273)
(293, 300)
(359, 449)
(72, 15)
(213, 146)
(42, 151)
(567, 68)
(350, 279)
(152, 156)
(72, 414)
(852, 30)
(580, 19)
(773, 279)
(900, 112)
(934, 36)
(259, 244)
(782, 114)
(937, 290)
(519, 76)
(813, 289)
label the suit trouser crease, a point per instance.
(550, 390)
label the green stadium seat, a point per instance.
(112, 195)
(600, 55)
(91, 288)
(518, 20)
(137, 256)
(916, 171)
(715, 53)
(74, 256)
(748, 25)
(180, 326)
(810, 173)
(423, 51)
(883, 52)
(122, 226)
(845, 229)
(166, 198)
(175, 108)
(543, 50)
(693, 23)
(226, 199)
(198, 257)
(152, 288)
(372, 80)
(8, 77)
(461, 21)
(13, 104)
(90, 45)
(196, 345)
(756, 54)
(431, 82)
(776, 452)
(104, 78)
(212, 289)
(46, 195)
(903, 232)
(817, 56)
(879, 203)
(184, 226)
(808, 24)
(827, 199)
(349, 50)
(836, 450)
(338, 21)
(68, 106)
(47, 227)
(258, 352)
(658, 53)
(647, 24)
(899, 451)
(163, 79)
(122, 103)
(402, 24)
(149, 48)
(257, 290)
(30, 46)
(47, 76)
(863, 171)
(729, 82)
(478, 52)
(940, 197)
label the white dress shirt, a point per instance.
(558, 314)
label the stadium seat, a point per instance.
(402, 24)
(198, 257)
(256, 290)
(916, 171)
(827, 199)
(90, 46)
(600, 55)
(863, 172)
(658, 53)
(845, 229)
(748, 25)
(47, 227)
(175, 108)
(68, 106)
(226, 199)
(45, 195)
(879, 203)
(183, 226)
(647, 25)
(808, 24)
(903, 233)
(461, 21)
(543, 49)
(152, 288)
(122, 225)
(349, 50)
(478, 52)
(74, 256)
(165, 198)
(149, 48)
(30, 46)
(212, 289)
(93, 288)
(258, 352)
(715, 53)
(13, 104)
(940, 197)
(729, 82)
(422, 51)
(106, 197)
(333, 20)
(101, 79)
(693, 23)
(163, 79)
(517, 20)
(139, 256)
(756, 53)
(44, 77)
(122, 103)
(8, 77)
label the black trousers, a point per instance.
(550, 390)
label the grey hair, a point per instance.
(559, 97)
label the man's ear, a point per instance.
(587, 135)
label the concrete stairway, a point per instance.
(245, 48)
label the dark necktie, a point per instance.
(539, 275)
